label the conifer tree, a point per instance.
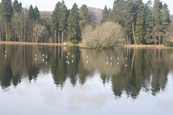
(105, 15)
(6, 9)
(118, 7)
(109, 14)
(73, 24)
(55, 22)
(36, 13)
(6, 13)
(16, 26)
(84, 17)
(129, 21)
(140, 24)
(157, 29)
(17, 6)
(149, 22)
(63, 20)
(31, 13)
(59, 21)
(165, 17)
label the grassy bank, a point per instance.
(80, 45)
(43, 44)
(147, 46)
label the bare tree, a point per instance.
(105, 35)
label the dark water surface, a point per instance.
(38, 80)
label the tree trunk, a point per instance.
(155, 41)
(59, 39)
(62, 37)
(2, 32)
(6, 34)
(55, 36)
(33, 32)
(133, 29)
(127, 40)
(0, 29)
(159, 40)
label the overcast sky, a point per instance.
(50, 4)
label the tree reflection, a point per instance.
(128, 70)
(19, 61)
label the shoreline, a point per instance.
(39, 44)
(80, 45)
(146, 47)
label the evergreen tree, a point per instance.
(157, 30)
(148, 22)
(17, 6)
(31, 13)
(129, 21)
(73, 24)
(165, 17)
(140, 24)
(118, 7)
(105, 15)
(124, 13)
(6, 13)
(109, 14)
(84, 17)
(7, 10)
(59, 21)
(36, 13)
(55, 22)
(63, 20)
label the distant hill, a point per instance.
(95, 12)
(46, 16)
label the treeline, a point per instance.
(141, 23)
(20, 24)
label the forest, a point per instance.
(141, 23)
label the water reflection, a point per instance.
(128, 70)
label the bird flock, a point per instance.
(70, 58)
(110, 61)
(44, 57)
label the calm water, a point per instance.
(37, 80)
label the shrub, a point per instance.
(75, 42)
(168, 43)
(103, 35)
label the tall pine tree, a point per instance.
(31, 13)
(17, 7)
(36, 13)
(6, 9)
(105, 15)
(6, 13)
(55, 22)
(149, 22)
(165, 18)
(63, 20)
(73, 24)
(140, 24)
(157, 30)
(84, 17)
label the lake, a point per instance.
(42, 80)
